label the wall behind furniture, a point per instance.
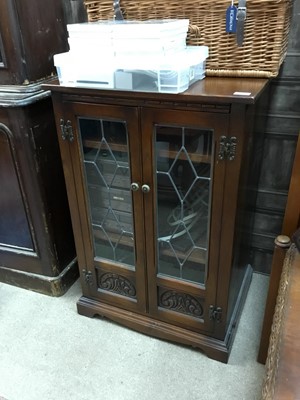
(281, 133)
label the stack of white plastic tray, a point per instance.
(119, 37)
(131, 55)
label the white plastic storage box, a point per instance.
(161, 73)
(129, 36)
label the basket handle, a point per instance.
(117, 10)
(240, 25)
(194, 30)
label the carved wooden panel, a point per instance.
(117, 284)
(180, 302)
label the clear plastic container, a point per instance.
(166, 74)
(160, 73)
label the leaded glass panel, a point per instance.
(105, 153)
(183, 186)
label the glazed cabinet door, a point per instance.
(104, 151)
(183, 187)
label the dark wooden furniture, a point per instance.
(159, 191)
(29, 37)
(37, 248)
(291, 222)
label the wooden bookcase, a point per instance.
(160, 191)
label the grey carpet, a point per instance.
(49, 352)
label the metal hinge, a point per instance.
(215, 313)
(88, 277)
(66, 130)
(227, 148)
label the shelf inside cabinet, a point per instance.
(195, 157)
(115, 238)
(172, 154)
(95, 144)
(201, 260)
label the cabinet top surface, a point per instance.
(217, 90)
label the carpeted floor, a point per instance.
(49, 352)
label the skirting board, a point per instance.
(52, 286)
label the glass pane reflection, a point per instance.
(183, 168)
(105, 153)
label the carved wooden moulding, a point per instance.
(116, 283)
(180, 302)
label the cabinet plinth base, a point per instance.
(52, 286)
(214, 348)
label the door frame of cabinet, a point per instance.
(205, 293)
(81, 217)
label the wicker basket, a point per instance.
(265, 38)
